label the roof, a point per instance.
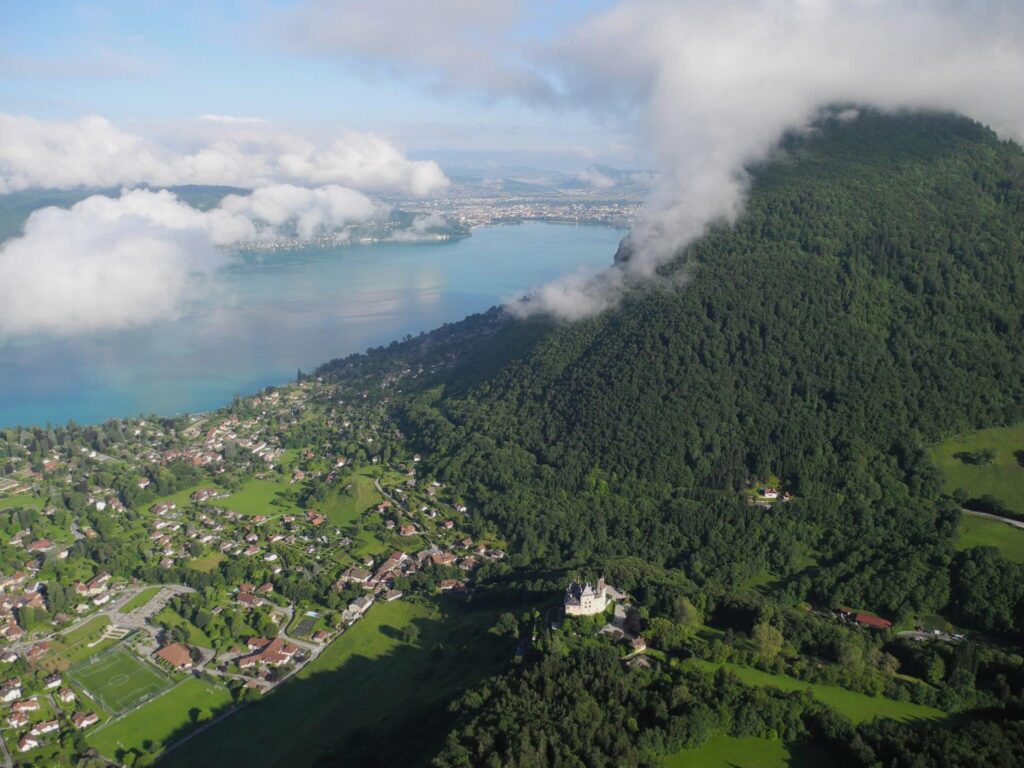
(176, 654)
(872, 621)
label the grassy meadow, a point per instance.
(169, 715)
(369, 681)
(722, 751)
(1003, 477)
(986, 532)
(858, 707)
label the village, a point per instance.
(215, 555)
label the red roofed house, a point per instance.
(177, 655)
(875, 622)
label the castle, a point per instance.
(585, 599)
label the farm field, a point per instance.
(1003, 477)
(118, 679)
(347, 683)
(165, 717)
(985, 532)
(722, 751)
(139, 600)
(858, 707)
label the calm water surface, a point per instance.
(279, 311)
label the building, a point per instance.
(27, 743)
(178, 655)
(586, 599)
(874, 622)
(84, 720)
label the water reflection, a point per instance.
(278, 311)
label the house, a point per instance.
(391, 595)
(449, 584)
(47, 726)
(407, 530)
(268, 652)
(249, 600)
(28, 743)
(586, 599)
(770, 493)
(178, 655)
(81, 720)
(18, 720)
(53, 681)
(321, 636)
(361, 605)
(265, 588)
(66, 695)
(26, 705)
(43, 545)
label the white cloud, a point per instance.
(595, 178)
(109, 263)
(245, 152)
(450, 44)
(716, 83)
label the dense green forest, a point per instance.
(869, 301)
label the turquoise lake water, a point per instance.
(278, 311)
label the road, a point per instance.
(1007, 520)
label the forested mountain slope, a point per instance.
(868, 301)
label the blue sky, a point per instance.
(150, 63)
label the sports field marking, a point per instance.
(119, 680)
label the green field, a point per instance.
(368, 681)
(167, 716)
(985, 532)
(256, 496)
(344, 510)
(73, 646)
(734, 752)
(1002, 478)
(206, 563)
(21, 500)
(118, 679)
(858, 707)
(139, 600)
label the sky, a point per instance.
(148, 64)
(325, 107)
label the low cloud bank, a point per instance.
(243, 152)
(120, 262)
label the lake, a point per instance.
(277, 311)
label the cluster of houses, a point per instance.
(22, 709)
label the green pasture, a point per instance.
(1003, 477)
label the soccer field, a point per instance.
(119, 680)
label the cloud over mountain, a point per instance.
(710, 85)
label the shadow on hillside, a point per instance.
(372, 710)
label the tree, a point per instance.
(767, 641)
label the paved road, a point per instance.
(1007, 520)
(8, 763)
